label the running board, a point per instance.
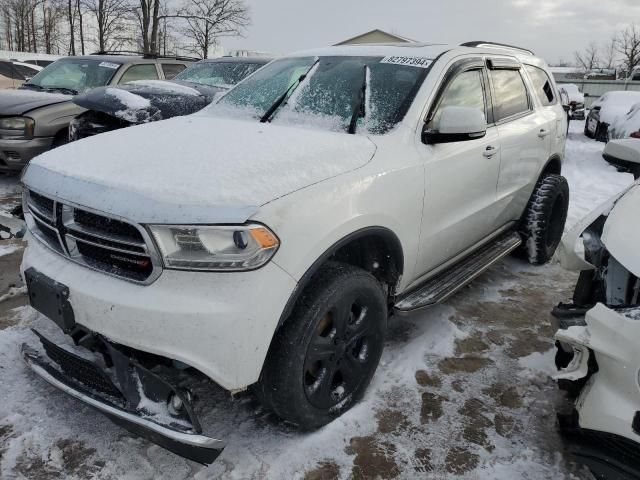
(445, 284)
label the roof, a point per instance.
(426, 50)
(392, 37)
(260, 60)
(126, 58)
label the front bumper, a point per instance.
(123, 395)
(15, 154)
(219, 323)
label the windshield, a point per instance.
(75, 75)
(327, 96)
(219, 74)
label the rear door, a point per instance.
(524, 137)
(461, 177)
(547, 105)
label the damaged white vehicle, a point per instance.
(265, 240)
(598, 339)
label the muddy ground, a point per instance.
(462, 392)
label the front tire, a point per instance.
(324, 356)
(544, 219)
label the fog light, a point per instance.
(175, 404)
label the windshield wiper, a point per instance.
(69, 91)
(35, 86)
(280, 100)
(359, 107)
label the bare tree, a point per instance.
(609, 54)
(148, 17)
(587, 60)
(207, 20)
(111, 18)
(628, 46)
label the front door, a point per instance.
(461, 177)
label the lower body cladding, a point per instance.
(220, 324)
(15, 154)
(599, 363)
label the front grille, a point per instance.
(94, 240)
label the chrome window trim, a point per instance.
(71, 253)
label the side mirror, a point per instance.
(456, 124)
(624, 154)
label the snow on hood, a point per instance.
(621, 234)
(624, 125)
(194, 169)
(166, 86)
(614, 104)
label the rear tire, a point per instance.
(543, 221)
(323, 358)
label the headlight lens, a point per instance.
(215, 248)
(19, 125)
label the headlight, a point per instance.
(215, 248)
(22, 126)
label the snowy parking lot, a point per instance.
(463, 390)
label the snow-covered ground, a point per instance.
(463, 390)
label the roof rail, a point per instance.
(146, 55)
(495, 44)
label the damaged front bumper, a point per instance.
(129, 394)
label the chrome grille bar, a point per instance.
(104, 243)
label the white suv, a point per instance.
(265, 240)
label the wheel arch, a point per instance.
(553, 166)
(363, 248)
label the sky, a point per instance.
(553, 29)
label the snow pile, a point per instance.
(167, 86)
(8, 249)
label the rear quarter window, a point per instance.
(510, 93)
(170, 70)
(542, 85)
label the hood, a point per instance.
(621, 234)
(199, 168)
(576, 97)
(19, 102)
(149, 100)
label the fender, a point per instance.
(390, 238)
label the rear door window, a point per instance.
(145, 71)
(542, 85)
(510, 97)
(170, 70)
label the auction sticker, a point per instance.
(109, 65)
(419, 62)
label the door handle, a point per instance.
(543, 132)
(490, 151)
